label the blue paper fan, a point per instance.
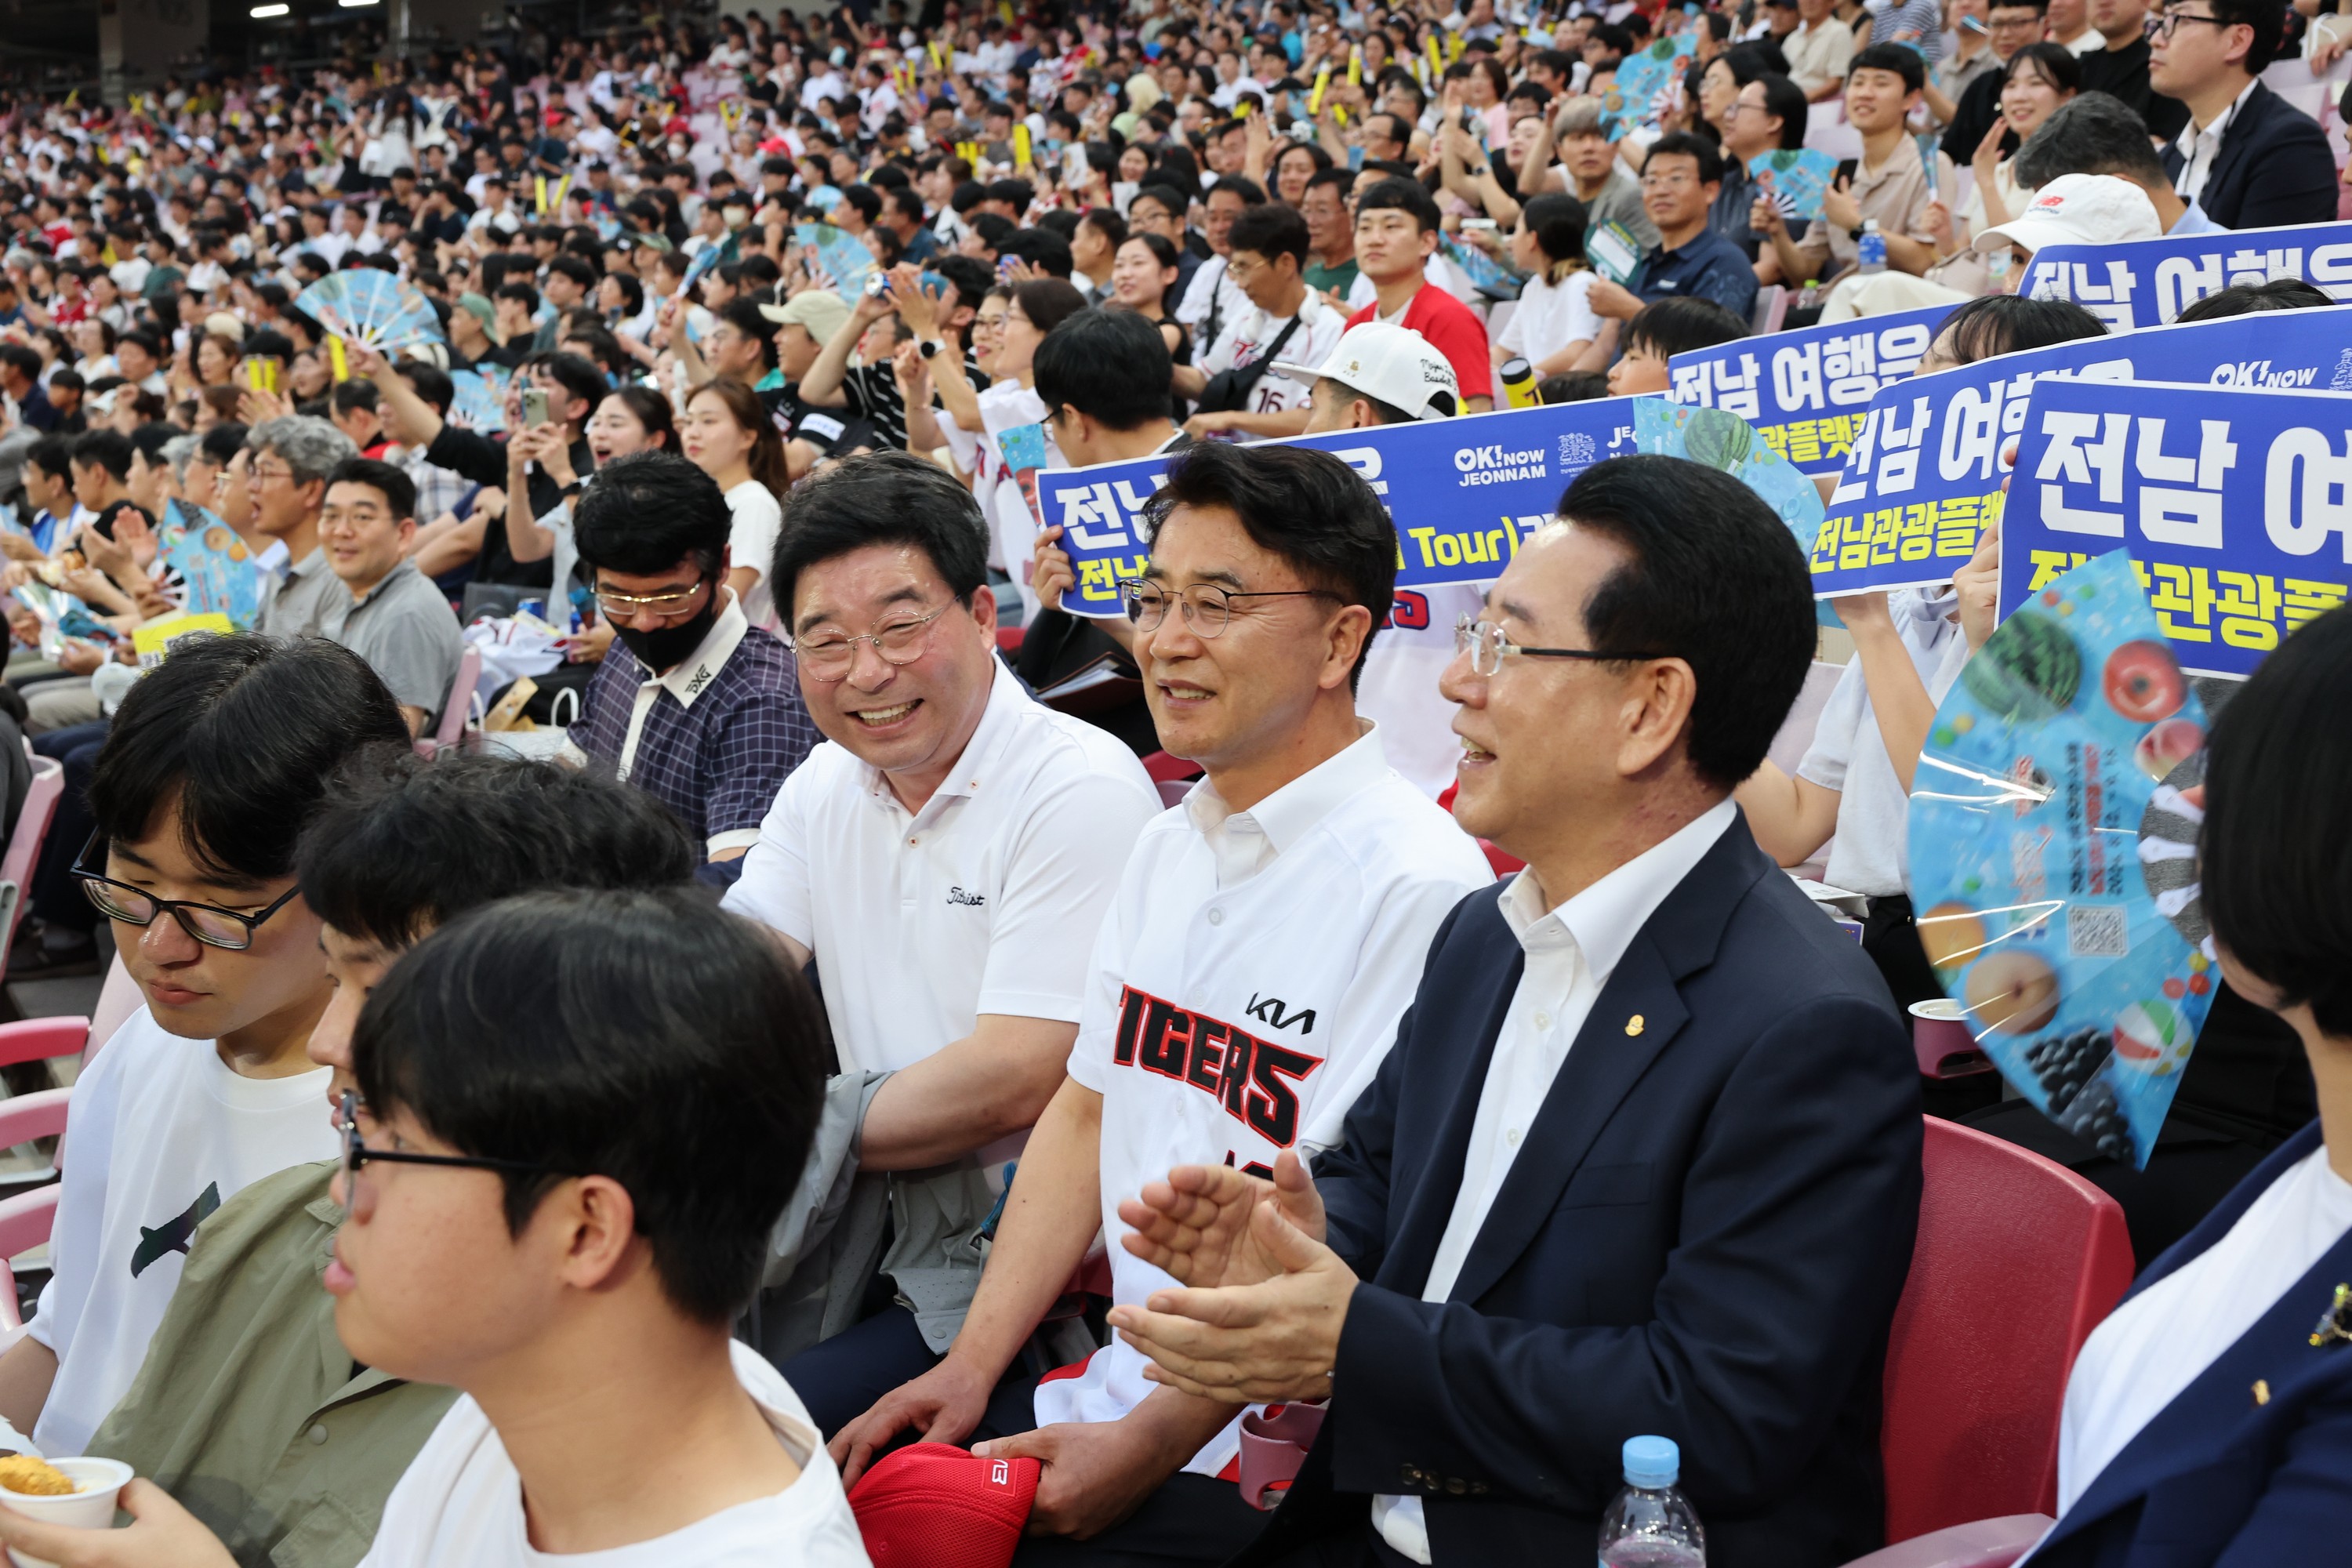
(366, 305)
(2049, 792)
(479, 404)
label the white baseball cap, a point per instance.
(1392, 364)
(2079, 209)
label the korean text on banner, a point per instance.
(1463, 492)
(1925, 475)
(2148, 282)
(2234, 507)
(1806, 391)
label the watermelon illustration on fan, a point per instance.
(366, 305)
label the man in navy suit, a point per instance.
(1644, 1157)
(2247, 157)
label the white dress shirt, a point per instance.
(1571, 951)
(2203, 144)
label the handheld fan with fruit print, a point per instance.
(2070, 738)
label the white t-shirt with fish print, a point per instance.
(161, 1134)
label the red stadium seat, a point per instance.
(2017, 1260)
(1008, 640)
(1165, 769)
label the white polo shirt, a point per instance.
(1245, 986)
(986, 900)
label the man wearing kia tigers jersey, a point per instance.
(1264, 937)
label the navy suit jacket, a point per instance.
(2220, 1478)
(1703, 1237)
(2274, 167)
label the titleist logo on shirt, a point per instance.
(1252, 1078)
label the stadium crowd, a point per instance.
(890, 1010)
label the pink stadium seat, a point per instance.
(24, 851)
(2017, 1260)
(454, 713)
(25, 1219)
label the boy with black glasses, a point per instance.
(284, 1453)
(521, 1227)
(214, 761)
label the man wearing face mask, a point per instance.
(694, 704)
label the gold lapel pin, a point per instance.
(2335, 1325)
(1633, 1024)
(2262, 1391)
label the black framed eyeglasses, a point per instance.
(357, 1154)
(1487, 646)
(2171, 20)
(207, 923)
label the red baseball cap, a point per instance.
(932, 1505)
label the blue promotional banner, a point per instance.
(1806, 391)
(1463, 492)
(2048, 800)
(1925, 475)
(2236, 507)
(2148, 282)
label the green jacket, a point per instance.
(247, 1408)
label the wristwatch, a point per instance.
(930, 347)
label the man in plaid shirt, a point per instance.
(693, 704)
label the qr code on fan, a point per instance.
(2097, 931)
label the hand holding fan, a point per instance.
(365, 305)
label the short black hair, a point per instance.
(53, 454)
(644, 1035)
(649, 511)
(1167, 197)
(2244, 299)
(1112, 366)
(573, 268)
(1405, 196)
(1040, 247)
(1785, 100)
(399, 845)
(1716, 579)
(1251, 193)
(882, 498)
(221, 443)
(1104, 221)
(1270, 230)
(1906, 63)
(2091, 133)
(429, 382)
(971, 276)
(2276, 846)
(1709, 157)
(1681, 322)
(2005, 323)
(107, 450)
(2266, 18)
(244, 731)
(1306, 506)
(399, 491)
(578, 376)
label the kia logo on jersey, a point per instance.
(1255, 1079)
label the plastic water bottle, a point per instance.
(1649, 1524)
(1810, 298)
(1873, 248)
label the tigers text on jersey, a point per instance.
(1246, 984)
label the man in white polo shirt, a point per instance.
(946, 859)
(1266, 937)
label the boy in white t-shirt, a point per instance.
(214, 761)
(522, 1225)
(1265, 936)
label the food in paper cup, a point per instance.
(32, 1476)
(90, 1505)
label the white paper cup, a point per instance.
(89, 1506)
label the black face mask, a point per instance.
(661, 649)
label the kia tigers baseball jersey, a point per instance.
(1245, 985)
